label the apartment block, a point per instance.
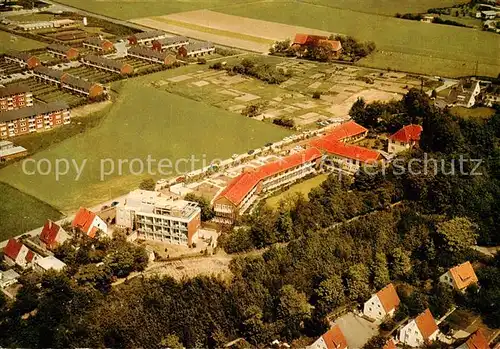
(150, 55)
(15, 97)
(170, 43)
(98, 44)
(146, 37)
(23, 59)
(108, 64)
(63, 51)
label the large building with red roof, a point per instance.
(420, 330)
(333, 339)
(244, 190)
(307, 41)
(16, 253)
(52, 235)
(89, 223)
(405, 139)
(381, 304)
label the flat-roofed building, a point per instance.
(146, 37)
(150, 55)
(63, 51)
(161, 218)
(197, 49)
(23, 59)
(107, 64)
(15, 97)
(9, 151)
(42, 265)
(173, 42)
(37, 118)
(98, 44)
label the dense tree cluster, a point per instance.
(250, 67)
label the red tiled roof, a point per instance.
(390, 345)
(49, 232)
(83, 220)
(426, 324)
(346, 150)
(388, 297)
(12, 249)
(29, 256)
(334, 44)
(239, 187)
(463, 275)
(477, 341)
(334, 338)
(347, 130)
(409, 133)
(303, 39)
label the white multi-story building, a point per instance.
(156, 217)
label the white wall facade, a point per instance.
(373, 308)
(410, 335)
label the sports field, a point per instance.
(143, 121)
(10, 42)
(20, 212)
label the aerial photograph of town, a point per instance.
(319, 174)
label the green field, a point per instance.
(20, 212)
(303, 187)
(143, 121)
(475, 113)
(10, 42)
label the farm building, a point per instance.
(197, 49)
(151, 55)
(15, 97)
(243, 190)
(305, 41)
(8, 151)
(98, 44)
(23, 59)
(63, 51)
(63, 23)
(37, 118)
(60, 23)
(146, 37)
(173, 42)
(156, 217)
(108, 64)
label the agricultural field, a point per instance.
(14, 42)
(20, 212)
(474, 113)
(50, 93)
(142, 121)
(303, 188)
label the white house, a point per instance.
(44, 264)
(333, 339)
(381, 304)
(89, 223)
(405, 139)
(8, 278)
(460, 277)
(420, 330)
(16, 253)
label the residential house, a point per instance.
(460, 277)
(381, 304)
(307, 41)
(16, 253)
(23, 59)
(89, 223)
(42, 265)
(15, 97)
(156, 217)
(108, 64)
(243, 191)
(170, 43)
(8, 278)
(333, 339)
(8, 151)
(37, 118)
(48, 75)
(63, 51)
(463, 95)
(146, 37)
(476, 341)
(52, 235)
(150, 55)
(420, 330)
(197, 49)
(98, 44)
(404, 139)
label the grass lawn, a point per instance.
(14, 42)
(34, 17)
(303, 187)
(480, 112)
(143, 121)
(20, 212)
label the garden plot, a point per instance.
(50, 93)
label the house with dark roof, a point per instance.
(477, 340)
(420, 330)
(382, 304)
(243, 191)
(63, 51)
(15, 97)
(89, 223)
(38, 118)
(52, 235)
(16, 253)
(146, 37)
(332, 339)
(197, 49)
(98, 44)
(23, 59)
(107, 64)
(170, 43)
(49, 75)
(462, 95)
(404, 139)
(460, 277)
(152, 56)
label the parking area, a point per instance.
(357, 330)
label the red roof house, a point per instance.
(407, 134)
(382, 304)
(460, 277)
(348, 131)
(334, 338)
(426, 324)
(389, 298)
(476, 341)
(52, 235)
(16, 253)
(308, 40)
(88, 222)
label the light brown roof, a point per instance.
(388, 297)
(426, 324)
(463, 275)
(334, 338)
